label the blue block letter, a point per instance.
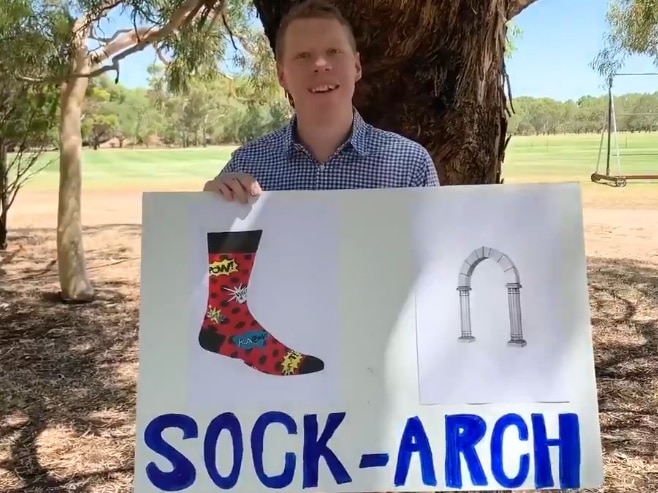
(229, 422)
(414, 439)
(183, 474)
(257, 436)
(315, 447)
(569, 445)
(463, 432)
(497, 454)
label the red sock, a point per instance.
(229, 328)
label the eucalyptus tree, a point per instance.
(190, 38)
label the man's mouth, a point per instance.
(324, 88)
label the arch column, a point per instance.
(515, 319)
(465, 314)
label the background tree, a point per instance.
(633, 30)
(30, 34)
(452, 52)
(189, 36)
(229, 111)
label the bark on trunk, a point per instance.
(3, 231)
(433, 70)
(73, 278)
(4, 199)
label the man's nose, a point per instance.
(321, 63)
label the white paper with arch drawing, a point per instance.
(502, 306)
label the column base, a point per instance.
(517, 343)
(466, 339)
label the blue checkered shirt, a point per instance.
(370, 158)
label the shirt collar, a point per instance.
(357, 138)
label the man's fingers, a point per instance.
(239, 187)
(239, 190)
(255, 188)
(225, 191)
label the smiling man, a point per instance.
(326, 145)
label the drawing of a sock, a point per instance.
(229, 329)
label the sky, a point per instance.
(560, 38)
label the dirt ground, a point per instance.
(67, 373)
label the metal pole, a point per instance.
(607, 159)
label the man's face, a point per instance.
(319, 67)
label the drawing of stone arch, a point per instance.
(513, 293)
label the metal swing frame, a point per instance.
(618, 180)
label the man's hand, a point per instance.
(234, 186)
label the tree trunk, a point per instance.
(433, 71)
(4, 199)
(73, 278)
(3, 231)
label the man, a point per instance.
(327, 145)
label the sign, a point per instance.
(366, 340)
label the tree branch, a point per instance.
(109, 40)
(84, 24)
(515, 7)
(213, 17)
(121, 41)
(160, 55)
(24, 164)
(132, 42)
(220, 11)
(125, 42)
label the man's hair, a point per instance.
(311, 9)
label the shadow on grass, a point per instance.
(624, 301)
(59, 367)
(67, 373)
(27, 237)
(6, 258)
(105, 246)
(21, 234)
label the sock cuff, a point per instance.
(234, 241)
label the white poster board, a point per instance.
(371, 340)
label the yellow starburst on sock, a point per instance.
(214, 314)
(291, 362)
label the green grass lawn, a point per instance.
(574, 157)
(107, 168)
(529, 159)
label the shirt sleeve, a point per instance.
(233, 164)
(425, 173)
